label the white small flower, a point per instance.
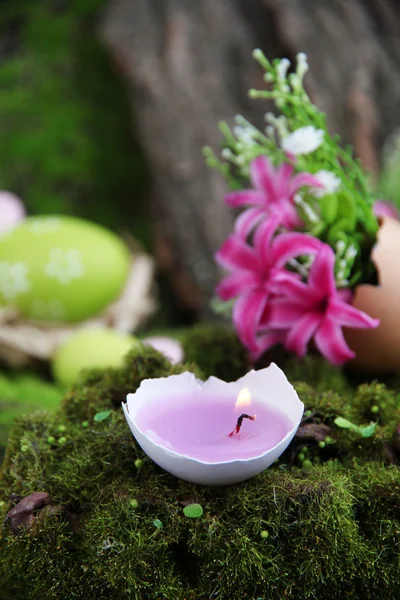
(302, 65)
(279, 123)
(282, 69)
(310, 214)
(65, 265)
(351, 252)
(340, 247)
(270, 132)
(227, 154)
(303, 140)
(13, 279)
(244, 135)
(329, 180)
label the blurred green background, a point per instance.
(65, 145)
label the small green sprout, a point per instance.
(102, 416)
(193, 511)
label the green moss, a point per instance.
(217, 351)
(323, 407)
(321, 523)
(317, 372)
(20, 394)
(47, 548)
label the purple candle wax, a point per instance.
(199, 427)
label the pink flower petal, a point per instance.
(330, 342)
(284, 313)
(248, 220)
(262, 176)
(348, 316)
(267, 341)
(303, 179)
(322, 275)
(241, 282)
(235, 254)
(246, 317)
(345, 295)
(287, 284)
(287, 212)
(284, 173)
(245, 198)
(263, 238)
(302, 332)
(290, 245)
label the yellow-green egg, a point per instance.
(61, 268)
(90, 349)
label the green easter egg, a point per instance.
(90, 349)
(61, 268)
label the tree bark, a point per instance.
(189, 65)
(353, 47)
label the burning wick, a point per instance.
(239, 423)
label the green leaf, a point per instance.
(368, 430)
(345, 424)
(193, 511)
(221, 307)
(328, 206)
(101, 416)
(318, 230)
(347, 209)
(339, 230)
(157, 523)
(364, 430)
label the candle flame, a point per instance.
(244, 398)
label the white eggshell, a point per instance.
(269, 386)
(170, 347)
(12, 211)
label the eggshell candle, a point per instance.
(188, 427)
(61, 268)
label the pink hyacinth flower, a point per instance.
(251, 272)
(273, 193)
(316, 309)
(382, 208)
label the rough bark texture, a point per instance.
(353, 47)
(189, 65)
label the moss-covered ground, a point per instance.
(21, 394)
(323, 522)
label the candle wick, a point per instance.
(240, 421)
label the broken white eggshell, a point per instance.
(170, 347)
(12, 211)
(269, 386)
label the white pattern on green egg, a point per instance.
(54, 268)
